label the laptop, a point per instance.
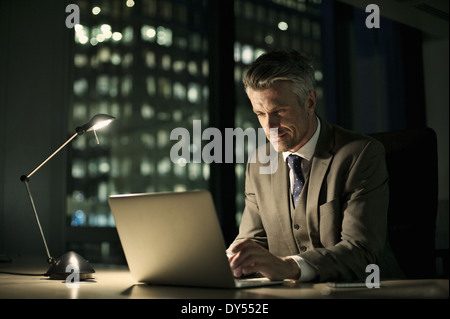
(175, 239)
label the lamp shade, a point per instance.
(96, 122)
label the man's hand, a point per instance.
(247, 257)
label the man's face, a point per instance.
(279, 107)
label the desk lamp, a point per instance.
(59, 267)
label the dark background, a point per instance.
(392, 78)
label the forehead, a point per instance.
(279, 94)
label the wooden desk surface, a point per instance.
(113, 290)
(116, 282)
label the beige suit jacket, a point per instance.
(340, 223)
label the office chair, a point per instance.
(411, 159)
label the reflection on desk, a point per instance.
(116, 282)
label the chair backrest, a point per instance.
(411, 159)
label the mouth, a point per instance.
(277, 136)
(278, 140)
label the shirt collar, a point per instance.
(307, 150)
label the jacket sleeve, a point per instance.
(251, 225)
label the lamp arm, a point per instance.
(50, 259)
(24, 178)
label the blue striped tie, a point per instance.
(294, 162)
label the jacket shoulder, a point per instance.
(347, 139)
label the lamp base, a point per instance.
(68, 263)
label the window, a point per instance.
(146, 63)
(141, 62)
(264, 25)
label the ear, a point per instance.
(310, 103)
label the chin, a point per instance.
(282, 144)
(280, 147)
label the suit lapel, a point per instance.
(319, 167)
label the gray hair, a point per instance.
(281, 65)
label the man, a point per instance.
(338, 225)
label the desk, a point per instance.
(113, 288)
(116, 282)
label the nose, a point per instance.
(272, 121)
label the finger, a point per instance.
(247, 264)
(237, 246)
(242, 256)
(265, 264)
(246, 269)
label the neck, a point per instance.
(311, 130)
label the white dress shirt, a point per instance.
(307, 272)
